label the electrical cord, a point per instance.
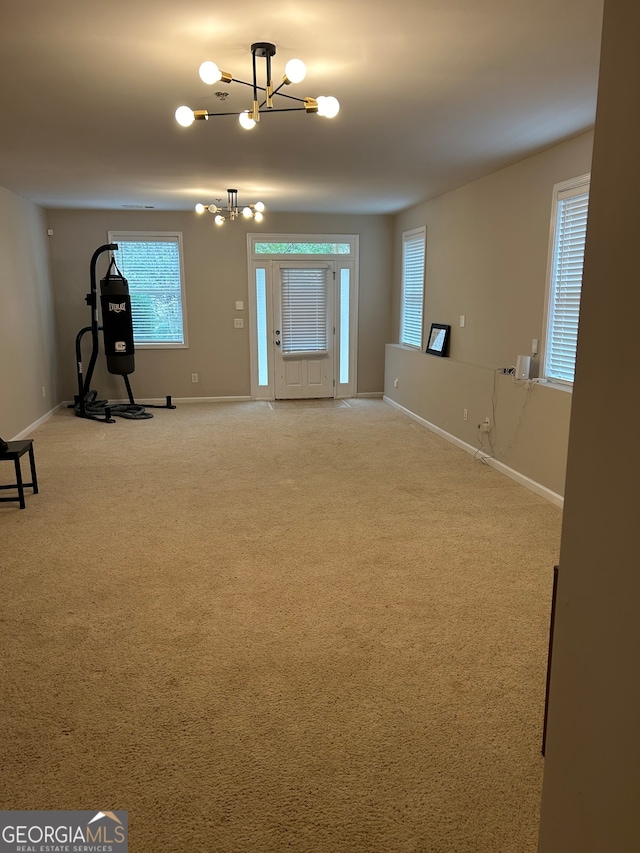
(488, 451)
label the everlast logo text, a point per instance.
(117, 307)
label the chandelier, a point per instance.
(233, 210)
(294, 72)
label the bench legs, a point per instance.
(15, 451)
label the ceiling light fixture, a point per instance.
(294, 72)
(233, 210)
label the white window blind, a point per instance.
(151, 263)
(566, 282)
(413, 256)
(305, 319)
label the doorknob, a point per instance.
(277, 331)
(278, 343)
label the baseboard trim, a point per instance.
(522, 479)
(25, 432)
(238, 399)
(161, 401)
(369, 395)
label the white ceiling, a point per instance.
(433, 93)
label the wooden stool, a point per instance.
(16, 449)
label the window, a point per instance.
(413, 254)
(305, 318)
(299, 247)
(152, 264)
(569, 231)
(343, 340)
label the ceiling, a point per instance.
(433, 94)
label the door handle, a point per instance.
(277, 343)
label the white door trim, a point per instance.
(346, 266)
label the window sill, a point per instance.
(139, 346)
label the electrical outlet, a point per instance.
(194, 377)
(44, 391)
(465, 415)
(507, 371)
(238, 323)
(396, 382)
(486, 425)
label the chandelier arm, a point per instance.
(284, 94)
(277, 91)
(276, 110)
(244, 83)
(255, 86)
(213, 115)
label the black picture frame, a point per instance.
(438, 343)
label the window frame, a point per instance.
(561, 191)
(158, 237)
(411, 237)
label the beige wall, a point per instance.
(27, 342)
(216, 275)
(487, 249)
(592, 768)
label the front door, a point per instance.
(303, 329)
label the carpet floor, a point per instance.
(310, 627)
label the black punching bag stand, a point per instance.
(117, 330)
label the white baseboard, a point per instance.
(239, 399)
(371, 394)
(161, 401)
(25, 432)
(527, 482)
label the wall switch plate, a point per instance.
(194, 377)
(534, 346)
(238, 323)
(239, 306)
(463, 320)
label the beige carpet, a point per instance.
(300, 627)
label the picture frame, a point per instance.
(438, 343)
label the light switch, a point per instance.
(462, 320)
(239, 306)
(238, 323)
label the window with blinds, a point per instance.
(152, 265)
(565, 279)
(413, 257)
(305, 311)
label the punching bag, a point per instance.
(117, 324)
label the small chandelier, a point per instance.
(294, 72)
(233, 210)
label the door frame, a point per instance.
(346, 266)
(325, 361)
